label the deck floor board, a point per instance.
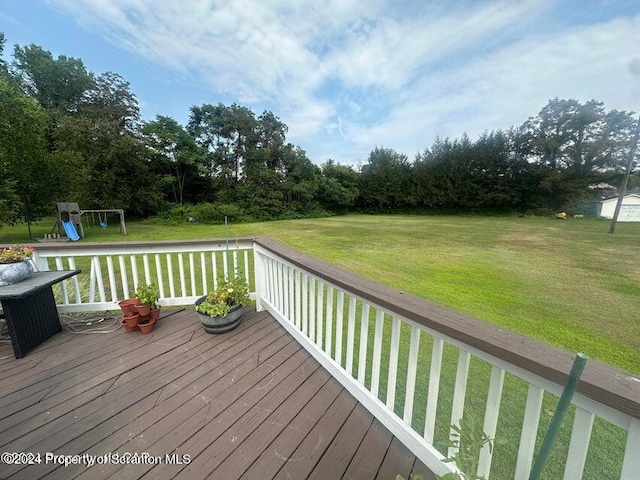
(249, 404)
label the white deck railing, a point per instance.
(416, 366)
(419, 368)
(182, 270)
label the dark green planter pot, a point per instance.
(220, 324)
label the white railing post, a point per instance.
(260, 277)
(39, 262)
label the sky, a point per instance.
(347, 76)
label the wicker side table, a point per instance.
(30, 309)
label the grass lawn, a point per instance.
(568, 283)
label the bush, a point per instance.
(215, 212)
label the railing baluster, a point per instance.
(579, 444)
(92, 282)
(192, 271)
(203, 273)
(285, 292)
(393, 364)
(112, 279)
(172, 283)
(312, 309)
(434, 389)
(65, 295)
(529, 432)
(305, 304)
(377, 353)
(123, 277)
(276, 288)
(147, 270)
(491, 419)
(98, 273)
(246, 268)
(272, 282)
(74, 281)
(364, 337)
(183, 281)
(159, 275)
(631, 462)
(279, 284)
(339, 327)
(329, 338)
(292, 312)
(351, 333)
(134, 271)
(298, 287)
(214, 273)
(412, 368)
(320, 315)
(459, 393)
(225, 264)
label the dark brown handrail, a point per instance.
(136, 244)
(600, 382)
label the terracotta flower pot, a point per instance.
(127, 327)
(147, 326)
(128, 305)
(131, 319)
(143, 310)
(154, 314)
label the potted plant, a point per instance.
(130, 321)
(14, 264)
(220, 310)
(147, 295)
(146, 326)
(128, 305)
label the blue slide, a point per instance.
(70, 229)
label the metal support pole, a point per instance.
(561, 410)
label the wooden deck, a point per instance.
(248, 404)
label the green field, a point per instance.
(569, 283)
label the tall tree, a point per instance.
(176, 151)
(385, 181)
(581, 143)
(338, 189)
(56, 83)
(25, 189)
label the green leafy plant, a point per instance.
(227, 294)
(15, 254)
(468, 439)
(148, 294)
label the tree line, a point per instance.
(69, 134)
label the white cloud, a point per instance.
(347, 75)
(515, 82)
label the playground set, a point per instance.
(69, 220)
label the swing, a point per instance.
(103, 224)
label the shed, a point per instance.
(629, 210)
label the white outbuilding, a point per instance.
(629, 210)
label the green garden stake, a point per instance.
(561, 410)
